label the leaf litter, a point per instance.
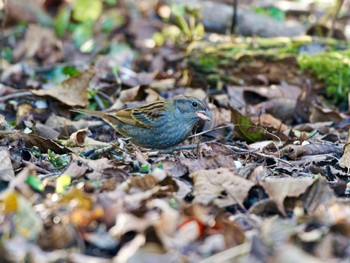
(267, 182)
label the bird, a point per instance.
(158, 125)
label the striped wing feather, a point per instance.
(144, 116)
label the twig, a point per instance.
(44, 176)
(335, 14)
(119, 146)
(105, 96)
(174, 149)
(37, 168)
(15, 95)
(47, 68)
(234, 17)
(259, 154)
(99, 102)
(213, 129)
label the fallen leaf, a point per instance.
(26, 221)
(76, 170)
(280, 188)
(6, 170)
(62, 182)
(245, 128)
(345, 159)
(35, 183)
(219, 186)
(77, 139)
(42, 143)
(72, 92)
(66, 126)
(267, 120)
(77, 199)
(41, 43)
(29, 12)
(320, 113)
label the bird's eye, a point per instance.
(194, 104)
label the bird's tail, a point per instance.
(112, 121)
(91, 113)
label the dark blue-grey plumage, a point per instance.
(158, 125)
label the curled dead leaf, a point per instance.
(78, 138)
(280, 188)
(72, 92)
(345, 159)
(220, 186)
(6, 170)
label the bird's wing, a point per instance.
(144, 116)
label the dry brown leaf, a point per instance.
(77, 138)
(45, 131)
(66, 126)
(27, 11)
(6, 170)
(335, 211)
(164, 218)
(345, 159)
(144, 183)
(295, 151)
(99, 165)
(280, 108)
(267, 120)
(232, 231)
(76, 170)
(280, 188)
(339, 213)
(257, 174)
(32, 140)
(41, 43)
(137, 93)
(319, 195)
(320, 113)
(56, 236)
(220, 186)
(216, 156)
(72, 92)
(304, 101)
(276, 231)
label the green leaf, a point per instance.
(111, 2)
(60, 161)
(160, 165)
(62, 182)
(82, 33)
(199, 30)
(245, 128)
(273, 12)
(7, 54)
(158, 38)
(84, 10)
(62, 20)
(145, 168)
(70, 71)
(35, 183)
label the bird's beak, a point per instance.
(204, 115)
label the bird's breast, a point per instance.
(165, 133)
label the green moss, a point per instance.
(214, 63)
(333, 67)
